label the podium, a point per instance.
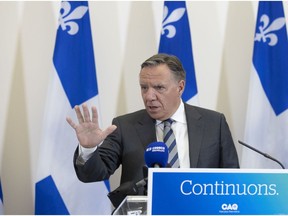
(132, 205)
(217, 191)
(173, 191)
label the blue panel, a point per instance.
(48, 199)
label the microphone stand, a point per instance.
(262, 153)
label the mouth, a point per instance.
(152, 108)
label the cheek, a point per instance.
(144, 95)
(165, 101)
(172, 99)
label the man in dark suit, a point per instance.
(203, 137)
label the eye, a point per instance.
(143, 88)
(159, 88)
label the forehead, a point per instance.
(161, 72)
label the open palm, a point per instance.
(88, 132)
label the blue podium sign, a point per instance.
(217, 192)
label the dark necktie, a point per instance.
(169, 139)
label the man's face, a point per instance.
(161, 93)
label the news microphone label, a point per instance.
(217, 192)
(156, 154)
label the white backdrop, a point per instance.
(125, 34)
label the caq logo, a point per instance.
(228, 207)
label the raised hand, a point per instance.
(88, 132)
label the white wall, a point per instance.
(125, 34)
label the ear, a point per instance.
(181, 86)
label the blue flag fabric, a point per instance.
(267, 115)
(1, 200)
(57, 189)
(270, 56)
(176, 40)
(74, 53)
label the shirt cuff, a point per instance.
(85, 154)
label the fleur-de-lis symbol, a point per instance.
(175, 15)
(265, 30)
(66, 17)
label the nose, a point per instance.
(150, 95)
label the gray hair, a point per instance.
(173, 63)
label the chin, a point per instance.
(157, 117)
(153, 115)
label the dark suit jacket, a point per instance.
(210, 145)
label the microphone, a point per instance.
(156, 155)
(129, 188)
(119, 194)
(262, 153)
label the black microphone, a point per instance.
(128, 188)
(119, 194)
(156, 155)
(262, 153)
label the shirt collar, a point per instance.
(178, 116)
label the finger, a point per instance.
(86, 113)
(79, 114)
(70, 122)
(95, 116)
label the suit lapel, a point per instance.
(146, 131)
(195, 133)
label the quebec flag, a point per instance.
(1, 200)
(57, 189)
(267, 112)
(176, 40)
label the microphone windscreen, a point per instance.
(156, 154)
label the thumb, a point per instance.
(109, 130)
